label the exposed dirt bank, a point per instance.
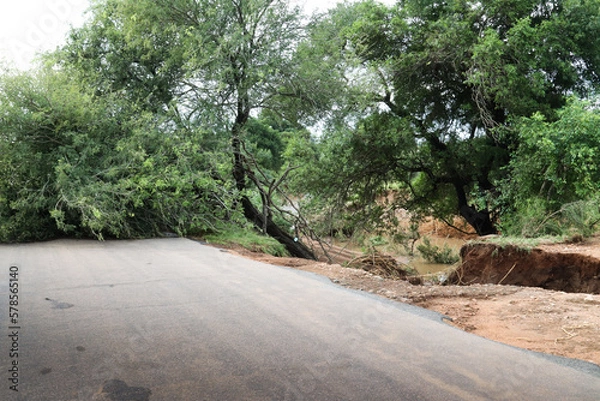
(560, 323)
(562, 267)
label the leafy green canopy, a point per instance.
(74, 163)
(120, 51)
(444, 84)
(554, 183)
(558, 160)
(168, 115)
(181, 81)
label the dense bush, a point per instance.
(554, 175)
(76, 164)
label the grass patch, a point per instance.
(247, 238)
(523, 242)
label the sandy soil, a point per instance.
(559, 323)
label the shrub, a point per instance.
(435, 254)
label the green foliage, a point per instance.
(351, 170)
(169, 88)
(444, 84)
(156, 182)
(582, 217)
(575, 219)
(535, 52)
(267, 138)
(558, 161)
(377, 240)
(77, 164)
(408, 237)
(554, 174)
(323, 88)
(435, 254)
(236, 55)
(166, 115)
(247, 238)
(529, 220)
(45, 119)
(123, 50)
(234, 59)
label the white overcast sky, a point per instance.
(30, 26)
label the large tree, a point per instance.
(211, 62)
(446, 80)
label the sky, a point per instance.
(31, 26)
(28, 27)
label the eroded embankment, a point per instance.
(494, 264)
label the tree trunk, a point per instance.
(478, 219)
(260, 220)
(293, 245)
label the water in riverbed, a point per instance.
(424, 267)
(416, 262)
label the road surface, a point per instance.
(172, 319)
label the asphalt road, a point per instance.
(171, 319)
